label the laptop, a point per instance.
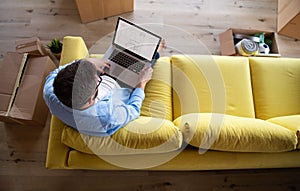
(132, 48)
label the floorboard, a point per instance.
(190, 27)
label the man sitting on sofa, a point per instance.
(94, 104)
(82, 97)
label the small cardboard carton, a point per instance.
(288, 21)
(227, 41)
(91, 10)
(21, 99)
(33, 46)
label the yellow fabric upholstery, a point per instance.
(57, 154)
(73, 48)
(158, 92)
(238, 134)
(197, 84)
(158, 100)
(211, 84)
(143, 135)
(191, 160)
(276, 86)
(291, 122)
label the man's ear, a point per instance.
(91, 100)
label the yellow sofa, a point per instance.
(200, 113)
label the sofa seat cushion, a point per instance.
(291, 122)
(238, 134)
(276, 86)
(212, 84)
(141, 136)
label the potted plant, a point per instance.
(55, 46)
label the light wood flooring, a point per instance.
(186, 25)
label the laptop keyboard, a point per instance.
(126, 61)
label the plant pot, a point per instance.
(57, 55)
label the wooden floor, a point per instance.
(189, 26)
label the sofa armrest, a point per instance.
(57, 153)
(73, 48)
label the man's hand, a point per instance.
(99, 64)
(145, 76)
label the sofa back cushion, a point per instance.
(73, 48)
(142, 136)
(276, 86)
(237, 134)
(158, 92)
(211, 84)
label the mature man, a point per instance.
(94, 104)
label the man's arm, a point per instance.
(123, 114)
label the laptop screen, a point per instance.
(136, 39)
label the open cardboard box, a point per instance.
(22, 79)
(33, 46)
(227, 42)
(91, 10)
(288, 20)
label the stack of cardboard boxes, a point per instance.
(22, 77)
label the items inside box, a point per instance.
(252, 45)
(248, 42)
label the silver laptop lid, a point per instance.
(136, 40)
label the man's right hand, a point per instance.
(145, 76)
(99, 64)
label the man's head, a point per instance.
(75, 85)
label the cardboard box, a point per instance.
(21, 98)
(91, 10)
(227, 41)
(33, 46)
(288, 20)
(10, 74)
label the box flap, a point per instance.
(226, 43)
(10, 76)
(9, 70)
(5, 99)
(32, 46)
(29, 104)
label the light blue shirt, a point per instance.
(105, 117)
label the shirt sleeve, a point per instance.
(124, 113)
